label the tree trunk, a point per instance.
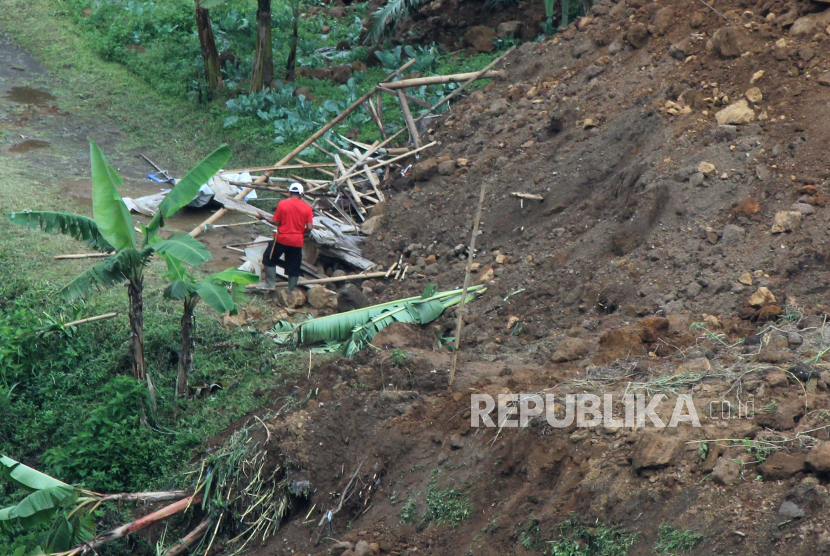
(295, 38)
(263, 72)
(188, 345)
(134, 289)
(213, 72)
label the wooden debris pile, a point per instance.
(350, 181)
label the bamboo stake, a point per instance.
(460, 312)
(379, 108)
(182, 545)
(350, 185)
(197, 231)
(466, 84)
(326, 172)
(276, 168)
(392, 160)
(407, 116)
(91, 319)
(374, 114)
(410, 98)
(437, 79)
(82, 256)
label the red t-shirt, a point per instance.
(293, 215)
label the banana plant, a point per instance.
(49, 501)
(221, 291)
(112, 230)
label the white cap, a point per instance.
(296, 188)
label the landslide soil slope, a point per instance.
(609, 121)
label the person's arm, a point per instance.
(309, 222)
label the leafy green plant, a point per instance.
(673, 541)
(113, 231)
(577, 539)
(446, 507)
(398, 357)
(387, 18)
(409, 511)
(529, 535)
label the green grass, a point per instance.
(675, 541)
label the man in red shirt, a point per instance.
(294, 219)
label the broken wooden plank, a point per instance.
(529, 196)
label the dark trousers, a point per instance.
(293, 257)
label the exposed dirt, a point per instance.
(642, 270)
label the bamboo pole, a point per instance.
(437, 79)
(392, 160)
(91, 319)
(407, 116)
(466, 84)
(275, 168)
(82, 256)
(460, 312)
(197, 231)
(182, 545)
(351, 187)
(410, 98)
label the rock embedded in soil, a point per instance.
(726, 472)
(777, 379)
(819, 458)
(637, 35)
(735, 114)
(761, 297)
(571, 349)
(754, 95)
(781, 466)
(791, 510)
(339, 548)
(730, 42)
(350, 298)
(320, 297)
(803, 208)
(654, 451)
(424, 170)
(786, 221)
(481, 38)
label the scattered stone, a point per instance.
(485, 275)
(321, 298)
(697, 179)
(446, 168)
(350, 298)
(730, 42)
(455, 442)
(786, 221)
(777, 379)
(761, 298)
(498, 107)
(781, 466)
(508, 28)
(810, 24)
(637, 35)
(732, 234)
(705, 168)
(745, 279)
(654, 451)
(756, 76)
(824, 80)
(818, 459)
(423, 171)
(571, 349)
(726, 472)
(794, 339)
(754, 95)
(803, 208)
(290, 300)
(339, 548)
(736, 113)
(791, 510)
(481, 38)
(371, 225)
(662, 21)
(501, 258)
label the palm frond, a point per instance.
(387, 17)
(79, 227)
(108, 273)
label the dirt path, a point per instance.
(43, 142)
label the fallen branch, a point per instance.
(147, 497)
(530, 196)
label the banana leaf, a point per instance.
(79, 227)
(48, 495)
(357, 328)
(111, 214)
